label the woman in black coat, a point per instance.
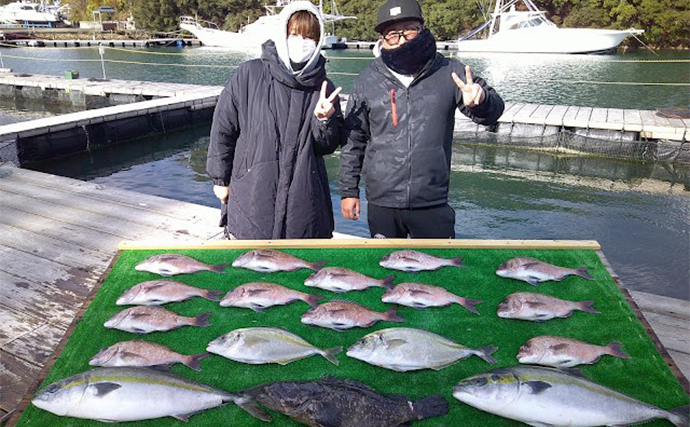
(273, 124)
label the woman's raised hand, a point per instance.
(325, 108)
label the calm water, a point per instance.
(639, 212)
(595, 81)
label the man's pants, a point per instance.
(434, 222)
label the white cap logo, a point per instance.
(396, 11)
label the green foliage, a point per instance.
(665, 21)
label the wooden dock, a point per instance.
(58, 236)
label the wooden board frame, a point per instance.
(348, 244)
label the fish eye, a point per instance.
(502, 266)
(52, 388)
(526, 346)
(481, 382)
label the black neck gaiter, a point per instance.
(411, 57)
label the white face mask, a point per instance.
(300, 49)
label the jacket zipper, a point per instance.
(409, 147)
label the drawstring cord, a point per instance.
(394, 108)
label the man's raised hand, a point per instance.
(472, 93)
(324, 107)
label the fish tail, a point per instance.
(316, 266)
(615, 349)
(202, 320)
(387, 282)
(192, 361)
(588, 307)
(249, 404)
(429, 407)
(218, 268)
(679, 416)
(457, 262)
(486, 353)
(582, 272)
(312, 300)
(330, 353)
(392, 315)
(213, 295)
(469, 304)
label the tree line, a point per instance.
(665, 22)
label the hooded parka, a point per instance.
(268, 146)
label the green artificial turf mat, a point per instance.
(645, 376)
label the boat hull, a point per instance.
(549, 40)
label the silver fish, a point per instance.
(172, 264)
(342, 315)
(129, 394)
(548, 397)
(534, 272)
(143, 353)
(417, 261)
(409, 349)
(267, 345)
(159, 292)
(421, 296)
(565, 353)
(269, 261)
(259, 296)
(338, 279)
(142, 320)
(540, 307)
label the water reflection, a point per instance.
(639, 212)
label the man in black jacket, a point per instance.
(400, 119)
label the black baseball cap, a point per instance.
(398, 10)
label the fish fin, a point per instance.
(576, 372)
(391, 344)
(537, 387)
(184, 417)
(150, 287)
(164, 368)
(252, 407)
(202, 320)
(138, 315)
(680, 416)
(418, 292)
(544, 317)
(419, 305)
(429, 407)
(558, 347)
(615, 349)
(165, 272)
(313, 300)
(582, 272)
(539, 425)
(445, 365)
(257, 308)
(408, 259)
(457, 262)
(588, 307)
(392, 315)
(469, 304)
(342, 329)
(218, 268)
(387, 282)
(139, 331)
(129, 357)
(534, 281)
(102, 389)
(486, 353)
(192, 361)
(330, 353)
(213, 295)
(252, 292)
(318, 265)
(534, 304)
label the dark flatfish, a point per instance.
(339, 402)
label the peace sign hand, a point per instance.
(324, 107)
(472, 93)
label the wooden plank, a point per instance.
(509, 113)
(37, 346)
(525, 112)
(673, 333)
(52, 249)
(682, 361)
(662, 305)
(108, 210)
(59, 230)
(16, 323)
(582, 118)
(365, 243)
(97, 192)
(34, 269)
(16, 376)
(556, 115)
(632, 120)
(539, 115)
(43, 300)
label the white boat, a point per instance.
(27, 13)
(252, 36)
(529, 31)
